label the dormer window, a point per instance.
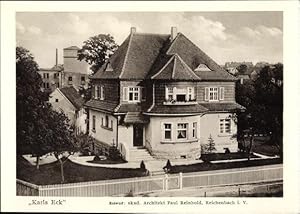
(202, 67)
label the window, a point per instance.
(47, 85)
(133, 94)
(94, 123)
(182, 131)
(191, 93)
(214, 93)
(194, 131)
(180, 94)
(101, 92)
(106, 121)
(169, 93)
(82, 80)
(70, 79)
(225, 126)
(56, 100)
(111, 124)
(47, 75)
(168, 131)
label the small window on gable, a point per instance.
(202, 67)
(56, 100)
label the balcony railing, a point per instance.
(175, 102)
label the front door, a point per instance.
(137, 136)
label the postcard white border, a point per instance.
(287, 204)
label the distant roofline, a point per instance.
(72, 48)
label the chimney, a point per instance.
(56, 58)
(173, 33)
(132, 30)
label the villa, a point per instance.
(161, 96)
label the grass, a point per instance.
(207, 166)
(108, 161)
(223, 156)
(262, 146)
(50, 173)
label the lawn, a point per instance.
(50, 173)
(262, 146)
(207, 166)
(228, 156)
(108, 161)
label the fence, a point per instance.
(25, 188)
(156, 183)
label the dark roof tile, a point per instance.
(222, 106)
(73, 96)
(135, 117)
(177, 109)
(101, 105)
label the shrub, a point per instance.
(113, 153)
(96, 158)
(142, 165)
(168, 166)
(129, 194)
(227, 151)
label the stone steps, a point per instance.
(139, 154)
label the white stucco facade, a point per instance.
(210, 125)
(105, 133)
(77, 117)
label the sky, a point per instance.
(224, 36)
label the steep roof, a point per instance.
(143, 56)
(175, 69)
(134, 58)
(73, 96)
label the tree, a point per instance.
(210, 146)
(242, 68)
(263, 100)
(40, 129)
(30, 105)
(97, 49)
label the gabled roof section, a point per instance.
(73, 96)
(134, 58)
(175, 69)
(72, 48)
(116, 61)
(193, 56)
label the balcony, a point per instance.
(181, 102)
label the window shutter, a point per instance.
(221, 92)
(143, 93)
(193, 93)
(166, 93)
(206, 96)
(101, 92)
(125, 93)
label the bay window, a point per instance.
(194, 130)
(182, 131)
(167, 131)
